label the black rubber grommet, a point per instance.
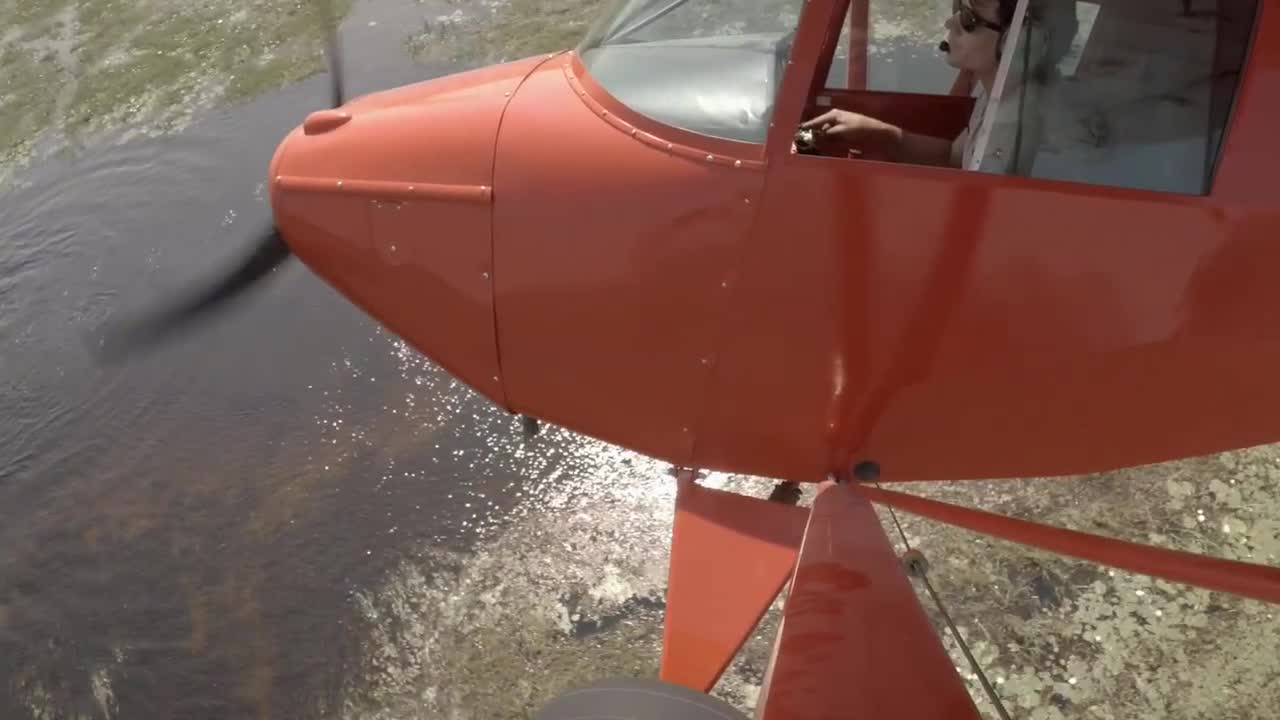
(867, 471)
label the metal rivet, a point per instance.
(724, 284)
(604, 113)
(279, 179)
(485, 275)
(633, 132)
(410, 188)
(506, 94)
(711, 158)
(670, 146)
(393, 248)
(746, 200)
(737, 163)
(339, 183)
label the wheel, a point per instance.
(632, 699)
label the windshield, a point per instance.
(708, 66)
(634, 21)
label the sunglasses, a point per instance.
(970, 20)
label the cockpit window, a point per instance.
(1099, 92)
(708, 66)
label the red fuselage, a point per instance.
(734, 306)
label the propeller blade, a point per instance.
(335, 68)
(269, 253)
(333, 55)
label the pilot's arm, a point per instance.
(859, 131)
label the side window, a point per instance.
(901, 49)
(1144, 94)
(1100, 92)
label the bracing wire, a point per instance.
(922, 573)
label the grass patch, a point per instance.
(17, 13)
(170, 57)
(72, 68)
(117, 93)
(103, 25)
(265, 75)
(514, 29)
(29, 83)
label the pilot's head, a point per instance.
(974, 32)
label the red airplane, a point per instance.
(644, 240)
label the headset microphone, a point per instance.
(944, 46)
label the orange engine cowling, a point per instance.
(564, 256)
(389, 199)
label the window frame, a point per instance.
(1229, 121)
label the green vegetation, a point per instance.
(506, 31)
(29, 83)
(72, 69)
(18, 13)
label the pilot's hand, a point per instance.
(850, 128)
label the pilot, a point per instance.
(976, 34)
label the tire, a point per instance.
(633, 699)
